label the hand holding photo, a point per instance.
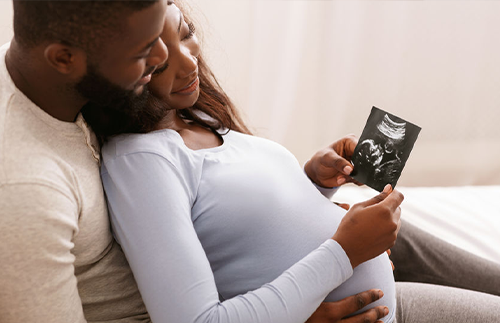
(382, 150)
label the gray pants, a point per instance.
(438, 282)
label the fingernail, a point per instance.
(347, 170)
(387, 188)
(380, 294)
(386, 310)
(341, 181)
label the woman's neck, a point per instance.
(194, 136)
(172, 121)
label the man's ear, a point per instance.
(66, 59)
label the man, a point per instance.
(58, 259)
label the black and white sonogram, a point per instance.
(382, 150)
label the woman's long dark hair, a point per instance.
(212, 101)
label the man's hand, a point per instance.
(369, 228)
(330, 167)
(334, 312)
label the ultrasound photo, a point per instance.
(382, 150)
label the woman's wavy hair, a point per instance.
(212, 101)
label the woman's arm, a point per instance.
(150, 207)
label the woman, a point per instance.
(221, 226)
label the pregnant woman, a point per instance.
(222, 226)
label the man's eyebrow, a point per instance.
(151, 44)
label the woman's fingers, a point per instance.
(354, 303)
(373, 315)
(345, 206)
(392, 264)
(335, 312)
(378, 198)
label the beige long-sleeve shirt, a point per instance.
(58, 259)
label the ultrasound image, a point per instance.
(383, 148)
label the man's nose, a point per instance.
(159, 54)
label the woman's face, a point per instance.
(176, 83)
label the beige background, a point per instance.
(307, 72)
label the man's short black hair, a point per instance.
(85, 24)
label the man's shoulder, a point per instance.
(30, 149)
(38, 171)
(30, 164)
(24, 153)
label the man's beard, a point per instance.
(112, 110)
(104, 93)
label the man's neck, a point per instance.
(42, 85)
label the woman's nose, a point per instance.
(189, 65)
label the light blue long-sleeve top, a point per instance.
(235, 233)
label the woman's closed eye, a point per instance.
(191, 31)
(160, 70)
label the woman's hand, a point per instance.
(330, 167)
(346, 207)
(389, 254)
(369, 228)
(335, 312)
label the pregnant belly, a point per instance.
(252, 260)
(255, 244)
(373, 274)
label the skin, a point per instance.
(379, 215)
(180, 70)
(47, 73)
(377, 220)
(337, 311)
(346, 207)
(330, 167)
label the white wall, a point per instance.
(307, 72)
(5, 21)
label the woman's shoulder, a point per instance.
(261, 144)
(165, 144)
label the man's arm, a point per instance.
(38, 284)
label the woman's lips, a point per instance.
(189, 89)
